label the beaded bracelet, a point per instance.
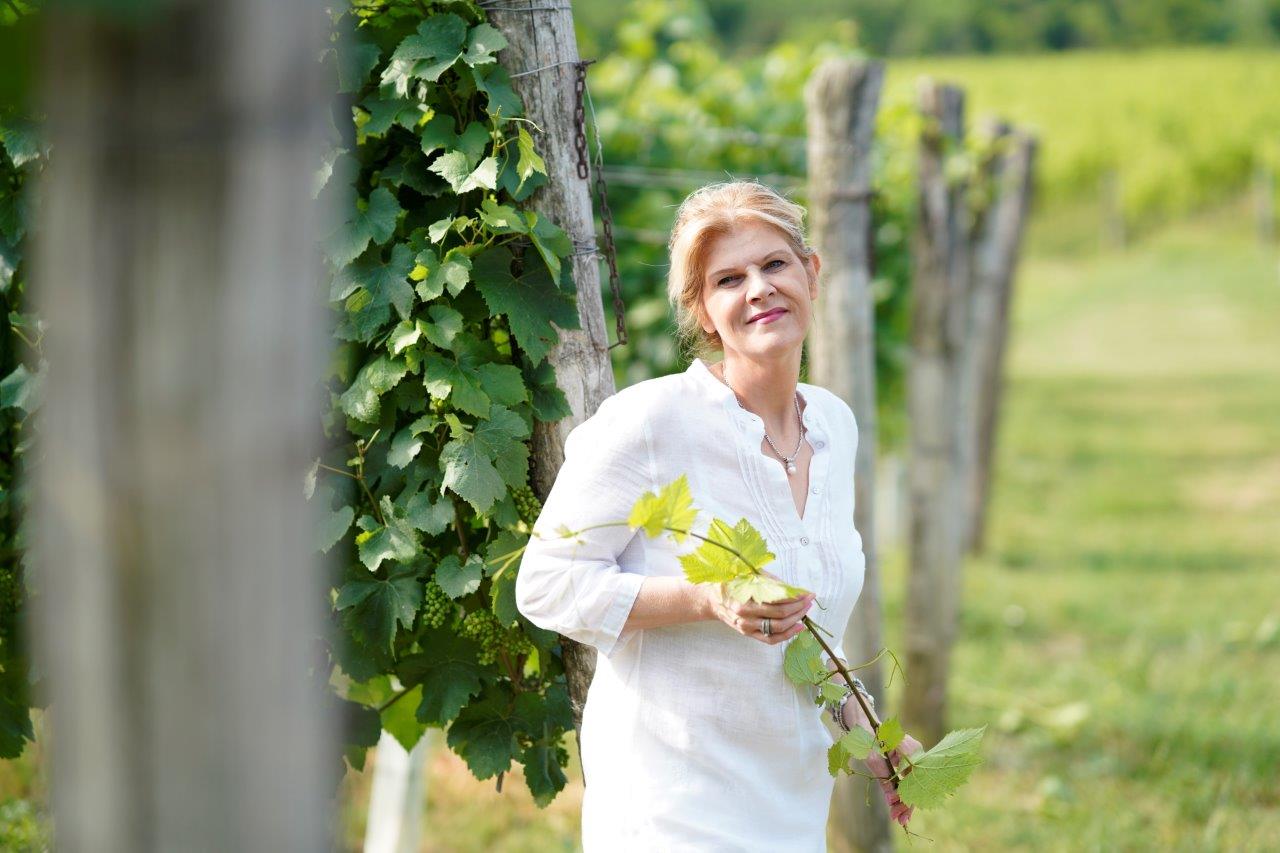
(837, 708)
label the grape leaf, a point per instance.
(761, 588)
(444, 326)
(455, 374)
(377, 605)
(504, 552)
(529, 162)
(361, 400)
(549, 402)
(530, 303)
(484, 735)
(858, 742)
(672, 506)
(457, 578)
(400, 719)
(453, 272)
(713, 563)
(542, 772)
(429, 517)
(891, 733)
(479, 465)
(494, 81)
(448, 672)
(456, 168)
(356, 58)
(21, 389)
(482, 43)
(394, 540)
(939, 772)
(802, 661)
(335, 525)
(375, 221)
(427, 53)
(551, 243)
(403, 448)
(503, 383)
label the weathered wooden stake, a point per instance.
(841, 101)
(939, 292)
(540, 36)
(995, 256)
(180, 601)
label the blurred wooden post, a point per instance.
(841, 99)
(180, 601)
(1112, 220)
(939, 291)
(544, 39)
(1264, 201)
(997, 244)
(397, 799)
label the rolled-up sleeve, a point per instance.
(575, 586)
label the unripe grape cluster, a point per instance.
(527, 504)
(493, 637)
(437, 608)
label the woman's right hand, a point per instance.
(745, 617)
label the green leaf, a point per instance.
(394, 540)
(529, 162)
(448, 672)
(939, 772)
(891, 733)
(837, 758)
(542, 772)
(375, 221)
(431, 518)
(482, 43)
(378, 605)
(444, 326)
(503, 383)
(551, 243)
(21, 389)
(356, 58)
(404, 447)
(712, 563)
(386, 283)
(479, 466)
(439, 132)
(802, 661)
(671, 507)
(361, 400)
(401, 719)
(501, 218)
(335, 525)
(859, 743)
(457, 578)
(455, 375)
(503, 593)
(484, 735)
(426, 54)
(549, 402)
(404, 335)
(495, 83)
(530, 303)
(453, 272)
(455, 167)
(384, 113)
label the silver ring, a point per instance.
(766, 627)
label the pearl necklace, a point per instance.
(789, 461)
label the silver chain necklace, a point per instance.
(791, 460)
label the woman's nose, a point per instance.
(757, 284)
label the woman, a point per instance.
(692, 736)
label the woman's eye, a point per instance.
(777, 261)
(727, 279)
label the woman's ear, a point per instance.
(815, 263)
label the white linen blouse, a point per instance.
(692, 736)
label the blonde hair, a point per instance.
(708, 213)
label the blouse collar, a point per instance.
(729, 401)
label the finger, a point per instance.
(777, 610)
(782, 635)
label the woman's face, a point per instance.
(750, 272)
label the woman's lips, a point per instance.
(768, 316)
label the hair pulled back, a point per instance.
(706, 214)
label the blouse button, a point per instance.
(804, 540)
(814, 490)
(821, 444)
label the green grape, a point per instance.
(437, 608)
(527, 504)
(483, 627)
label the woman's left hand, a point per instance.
(899, 811)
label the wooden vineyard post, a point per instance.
(997, 244)
(181, 605)
(939, 292)
(541, 41)
(842, 98)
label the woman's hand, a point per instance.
(745, 618)
(899, 811)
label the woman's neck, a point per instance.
(767, 388)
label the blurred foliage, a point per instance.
(917, 27)
(22, 828)
(1178, 129)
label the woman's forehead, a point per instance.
(748, 241)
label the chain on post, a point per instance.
(606, 221)
(579, 116)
